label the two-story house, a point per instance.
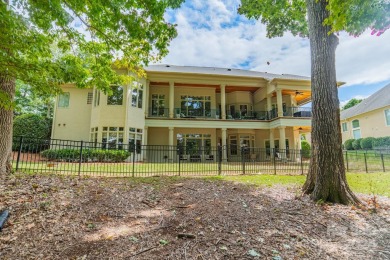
(191, 107)
(369, 118)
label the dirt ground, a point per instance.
(164, 218)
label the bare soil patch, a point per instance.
(163, 218)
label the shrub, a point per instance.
(366, 143)
(348, 144)
(34, 129)
(381, 142)
(88, 155)
(356, 144)
(305, 148)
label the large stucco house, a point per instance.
(185, 105)
(370, 118)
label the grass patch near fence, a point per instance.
(367, 183)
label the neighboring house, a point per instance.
(370, 118)
(191, 107)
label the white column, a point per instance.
(272, 142)
(170, 142)
(224, 148)
(145, 142)
(269, 102)
(223, 101)
(279, 100)
(146, 98)
(171, 99)
(282, 141)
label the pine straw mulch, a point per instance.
(68, 218)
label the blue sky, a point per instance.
(210, 33)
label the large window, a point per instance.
(94, 135)
(194, 144)
(63, 100)
(158, 105)
(345, 127)
(96, 101)
(236, 142)
(356, 129)
(196, 106)
(135, 139)
(137, 94)
(387, 116)
(112, 137)
(116, 98)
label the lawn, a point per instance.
(367, 183)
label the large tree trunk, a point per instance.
(7, 87)
(326, 180)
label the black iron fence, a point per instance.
(117, 159)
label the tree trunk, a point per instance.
(326, 180)
(7, 87)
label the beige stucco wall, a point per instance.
(372, 124)
(73, 122)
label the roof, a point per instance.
(379, 99)
(165, 68)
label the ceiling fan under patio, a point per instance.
(298, 93)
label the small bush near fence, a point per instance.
(356, 144)
(367, 143)
(348, 144)
(73, 155)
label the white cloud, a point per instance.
(211, 34)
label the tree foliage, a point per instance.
(90, 39)
(351, 103)
(353, 16)
(28, 101)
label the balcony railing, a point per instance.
(197, 113)
(304, 112)
(158, 112)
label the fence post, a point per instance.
(81, 156)
(274, 157)
(346, 159)
(383, 163)
(178, 154)
(19, 152)
(219, 158)
(301, 161)
(365, 162)
(243, 159)
(134, 146)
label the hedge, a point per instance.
(366, 143)
(89, 155)
(356, 144)
(34, 128)
(348, 144)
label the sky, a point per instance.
(212, 34)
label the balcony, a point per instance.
(296, 112)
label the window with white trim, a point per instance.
(112, 137)
(387, 116)
(137, 92)
(356, 129)
(63, 100)
(135, 139)
(345, 126)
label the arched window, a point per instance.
(356, 129)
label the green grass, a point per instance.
(367, 183)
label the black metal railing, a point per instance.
(158, 112)
(129, 160)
